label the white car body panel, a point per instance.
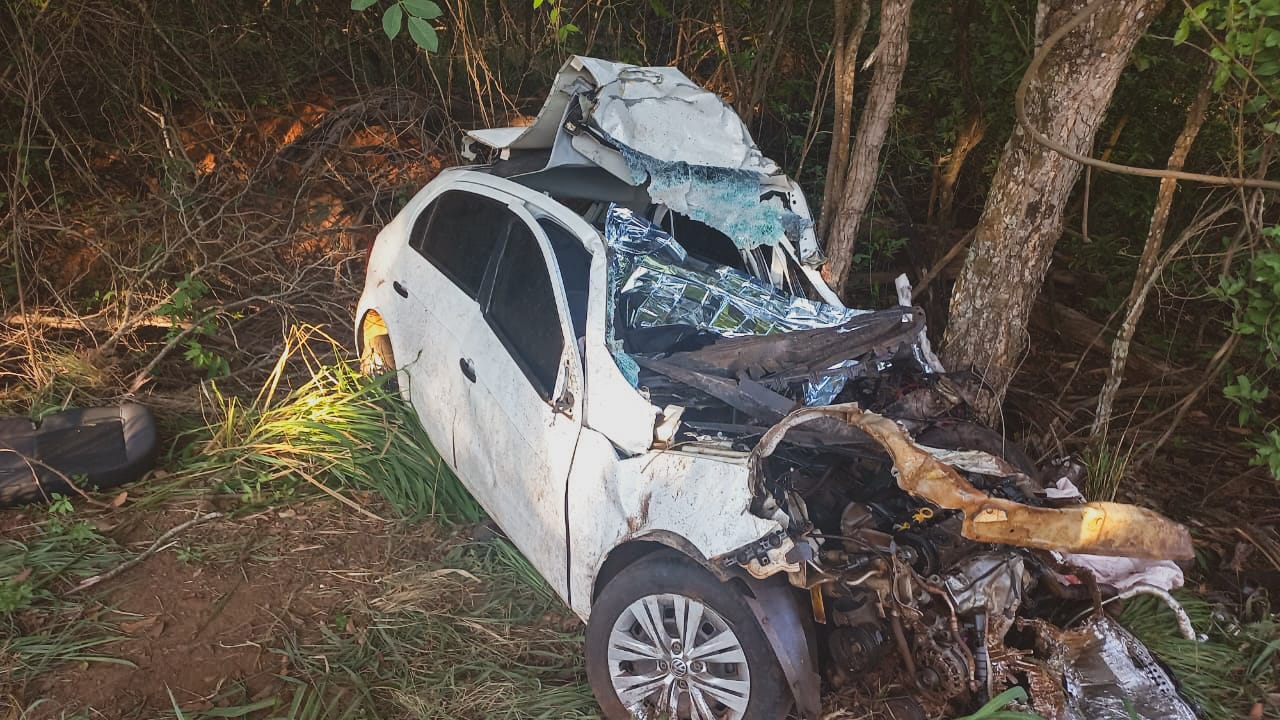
(698, 503)
(612, 486)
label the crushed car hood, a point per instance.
(654, 127)
(657, 111)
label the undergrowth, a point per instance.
(336, 430)
(478, 635)
(1227, 673)
(41, 624)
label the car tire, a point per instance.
(620, 651)
(378, 358)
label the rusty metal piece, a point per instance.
(1098, 528)
(1048, 697)
(819, 605)
(904, 650)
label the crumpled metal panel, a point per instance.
(1110, 675)
(991, 582)
(1098, 528)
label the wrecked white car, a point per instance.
(615, 335)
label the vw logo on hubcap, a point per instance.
(679, 667)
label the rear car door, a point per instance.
(527, 399)
(453, 242)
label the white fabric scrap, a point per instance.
(1124, 573)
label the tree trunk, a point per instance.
(1147, 264)
(767, 53)
(846, 41)
(864, 160)
(970, 131)
(1014, 238)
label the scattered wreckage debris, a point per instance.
(1097, 528)
(72, 451)
(914, 530)
(958, 614)
(911, 529)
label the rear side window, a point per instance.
(523, 312)
(458, 233)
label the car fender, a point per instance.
(702, 499)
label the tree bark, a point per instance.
(1022, 220)
(846, 41)
(864, 159)
(1147, 264)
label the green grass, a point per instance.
(478, 635)
(335, 431)
(997, 708)
(1108, 466)
(1225, 675)
(40, 624)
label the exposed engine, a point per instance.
(892, 578)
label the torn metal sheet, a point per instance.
(824, 390)
(974, 461)
(654, 125)
(991, 582)
(1110, 675)
(1098, 528)
(658, 284)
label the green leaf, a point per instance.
(424, 9)
(359, 5)
(392, 19)
(423, 34)
(537, 4)
(1184, 31)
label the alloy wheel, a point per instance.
(675, 656)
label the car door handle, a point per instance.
(401, 290)
(468, 369)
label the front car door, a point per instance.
(527, 399)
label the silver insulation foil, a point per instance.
(1110, 675)
(656, 284)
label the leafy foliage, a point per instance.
(418, 13)
(182, 309)
(555, 12)
(1255, 301)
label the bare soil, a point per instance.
(206, 618)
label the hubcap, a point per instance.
(672, 655)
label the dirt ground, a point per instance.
(205, 620)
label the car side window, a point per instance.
(458, 233)
(523, 312)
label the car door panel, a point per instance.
(528, 444)
(441, 275)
